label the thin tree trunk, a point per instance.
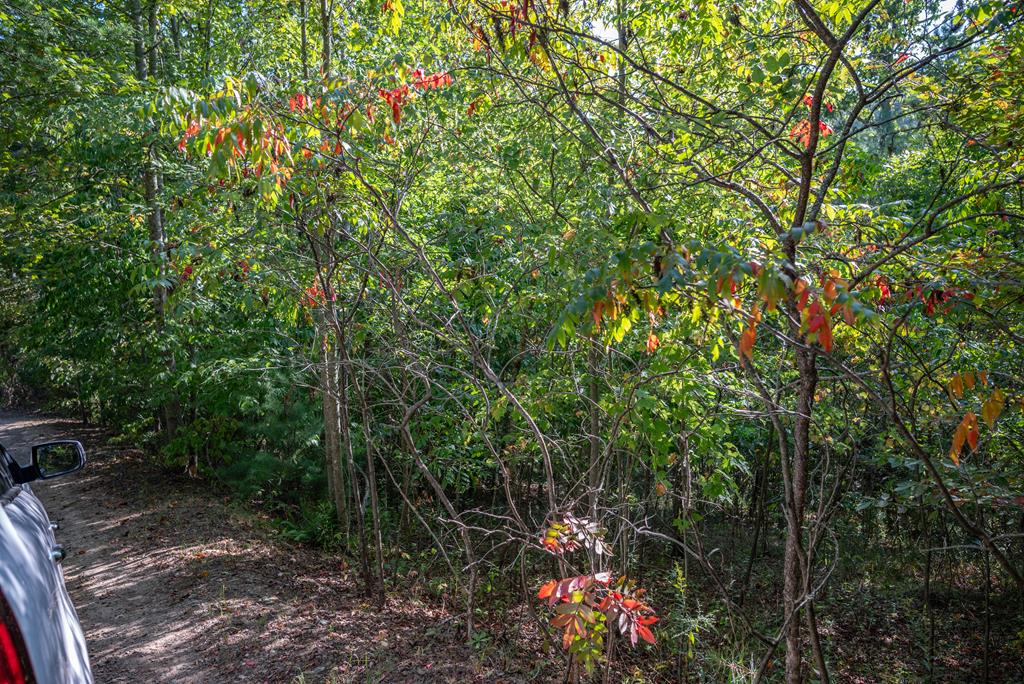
(326, 35)
(346, 440)
(793, 585)
(138, 43)
(756, 512)
(371, 476)
(151, 56)
(594, 470)
(152, 186)
(332, 430)
(819, 654)
(928, 609)
(988, 612)
(303, 16)
(176, 37)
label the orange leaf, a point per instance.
(547, 589)
(993, 407)
(652, 343)
(958, 443)
(830, 290)
(645, 634)
(747, 342)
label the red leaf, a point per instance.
(645, 634)
(547, 589)
(972, 438)
(825, 337)
(971, 423)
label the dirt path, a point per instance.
(174, 584)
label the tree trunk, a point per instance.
(332, 429)
(138, 43)
(371, 476)
(594, 469)
(151, 56)
(793, 580)
(326, 34)
(350, 462)
(303, 15)
(145, 66)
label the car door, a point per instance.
(32, 584)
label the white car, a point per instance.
(41, 640)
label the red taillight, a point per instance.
(10, 664)
(12, 671)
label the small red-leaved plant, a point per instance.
(587, 606)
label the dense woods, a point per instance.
(683, 336)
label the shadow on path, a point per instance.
(173, 584)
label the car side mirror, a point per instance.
(51, 460)
(54, 459)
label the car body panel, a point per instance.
(32, 582)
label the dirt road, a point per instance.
(175, 584)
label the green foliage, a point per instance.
(634, 264)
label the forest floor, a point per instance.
(173, 583)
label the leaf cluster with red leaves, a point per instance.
(931, 299)
(435, 81)
(395, 98)
(968, 430)
(802, 131)
(299, 102)
(809, 100)
(314, 296)
(190, 132)
(583, 601)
